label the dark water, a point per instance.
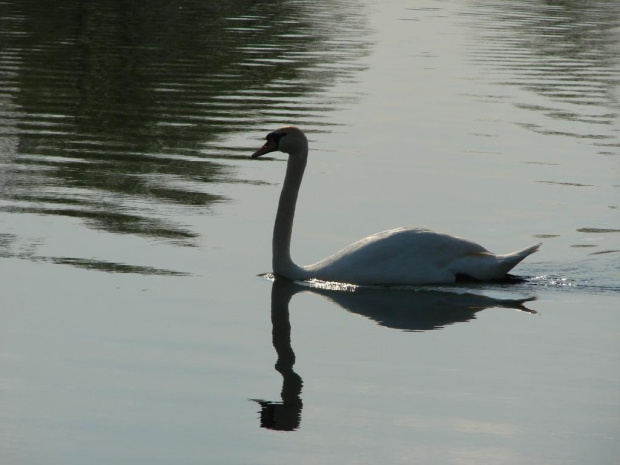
(116, 114)
(134, 227)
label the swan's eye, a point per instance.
(276, 136)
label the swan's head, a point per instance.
(288, 139)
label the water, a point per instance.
(134, 228)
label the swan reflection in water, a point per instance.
(406, 309)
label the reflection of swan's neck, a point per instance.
(282, 263)
(285, 415)
(281, 323)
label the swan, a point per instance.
(401, 256)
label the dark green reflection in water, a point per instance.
(9, 249)
(563, 51)
(113, 111)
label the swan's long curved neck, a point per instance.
(282, 263)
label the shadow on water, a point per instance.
(405, 309)
(117, 113)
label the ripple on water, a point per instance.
(121, 118)
(602, 278)
(598, 230)
(562, 55)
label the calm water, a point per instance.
(134, 228)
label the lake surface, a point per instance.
(135, 232)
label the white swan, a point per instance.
(399, 256)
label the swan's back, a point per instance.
(412, 256)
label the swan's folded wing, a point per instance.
(397, 256)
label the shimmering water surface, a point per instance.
(137, 323)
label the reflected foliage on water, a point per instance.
(116, 113)
(565, 52)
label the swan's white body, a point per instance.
(399, 256)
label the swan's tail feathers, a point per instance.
(485, 266)
(511, 260)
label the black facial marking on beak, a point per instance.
(272, 144)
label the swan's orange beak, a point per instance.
(270, 146)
